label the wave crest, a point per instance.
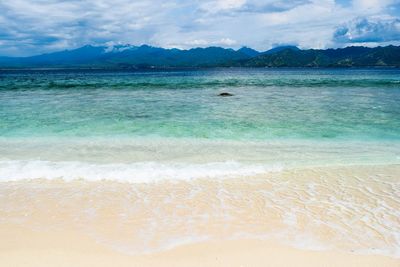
(138, 172)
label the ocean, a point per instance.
(175, 121)
(320, 148)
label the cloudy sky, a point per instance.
(30, 27)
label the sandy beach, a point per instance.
(214, 133)
(303, 217)
(22, 247)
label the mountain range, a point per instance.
(137, 57)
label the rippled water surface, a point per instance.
(267, 104)
(145, 126)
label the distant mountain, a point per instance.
(128, 56)
(69, 57)
(147, 56)
(345, 57)
(248, 51)
(280, 48)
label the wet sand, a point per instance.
(328, 216)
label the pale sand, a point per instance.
(22, 247)
(354, 210)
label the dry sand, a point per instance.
(22, 247)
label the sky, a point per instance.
(29, 27)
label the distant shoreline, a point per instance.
(148, 57)
(194, 68)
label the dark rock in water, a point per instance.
(225, 94)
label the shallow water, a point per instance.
(267, 104)
(57, 121)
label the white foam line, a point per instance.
(137, 172)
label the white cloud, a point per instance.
(362, 30)
(31, 27)
(371, 6)
(222, 5)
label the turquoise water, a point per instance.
(285, 116)
(307, 104)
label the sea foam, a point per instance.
(137, 172)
